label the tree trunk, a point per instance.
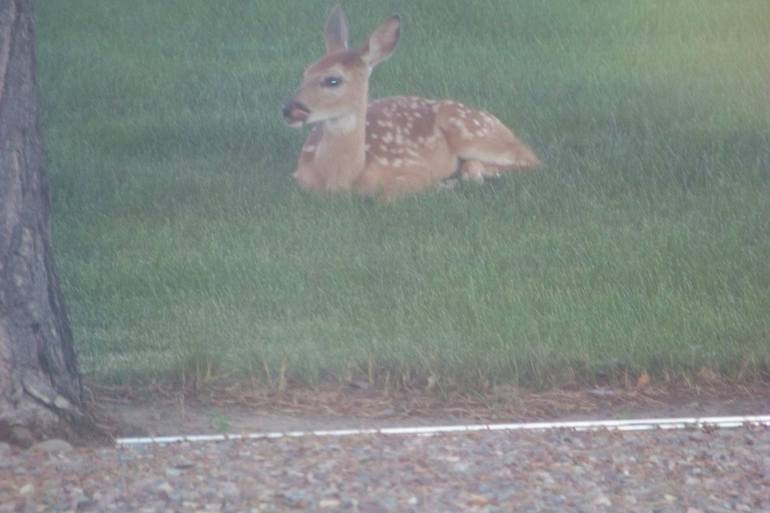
(40, 387)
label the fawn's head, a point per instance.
(335, 87)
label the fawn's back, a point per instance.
(392, 146)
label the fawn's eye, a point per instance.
(332, 81)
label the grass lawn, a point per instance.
(187, 253)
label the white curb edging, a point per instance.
(583, 425)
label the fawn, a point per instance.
(392, 146)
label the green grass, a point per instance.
(186, 251)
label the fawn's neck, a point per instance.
(341, 151)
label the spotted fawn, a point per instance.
(392, 146)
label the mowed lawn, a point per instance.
(186, 252)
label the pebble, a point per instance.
(26, 490)
(389, 503)
(295, 498)
(165, 487)
(329, 503)
(173, 472)
(229, 490)
(52, 446)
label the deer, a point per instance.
(393, 146)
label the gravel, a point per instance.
(661, 471)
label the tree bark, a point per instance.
(40, 386)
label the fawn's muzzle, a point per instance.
(295, 112)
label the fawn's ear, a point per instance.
(382, 42)
(336, 31)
